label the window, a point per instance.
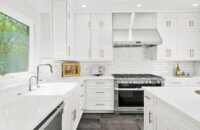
(14, 45)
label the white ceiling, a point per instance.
(131, 5)
(42, 6)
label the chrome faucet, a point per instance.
(30, 82)
(38, 71)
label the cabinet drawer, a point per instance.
(99, 92)
(100, 104)
(194, 82)
(95, 83)
(177, 82)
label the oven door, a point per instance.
(129, 100)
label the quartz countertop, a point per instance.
(28, 110)
(183, 99)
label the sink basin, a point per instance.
(52, 89)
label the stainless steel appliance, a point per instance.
(129, 94)
(53, 121)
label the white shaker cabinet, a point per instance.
(164, 116)
(189, 36)
(148, 112)
(180, 33)
(63, 46)
(167, 27)
(94, 36)
(99, 96)
(83, 36)
(59, 45)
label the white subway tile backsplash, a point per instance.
(137, 60)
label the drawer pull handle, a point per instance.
(150, 117)
(176, 82)
(82, 85)
(100, 104)
(147, 97)
(81, 96)
(100, 83)
(100, 92)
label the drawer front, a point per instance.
(195, 82)
(100, 105)
(100, 83)
(99, 92)
(176, 82)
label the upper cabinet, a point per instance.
(62, 46)
(94, 36)
(167, 27)
(180, 33)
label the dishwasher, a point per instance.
(53, 121)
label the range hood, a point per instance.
(142, 32)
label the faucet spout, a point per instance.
(38, 72)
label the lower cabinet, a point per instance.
(99, 95)
(160, 116)
(74, 108)
(182, 82)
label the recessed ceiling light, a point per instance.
(83, 6)
(195, 4)
(139, 5)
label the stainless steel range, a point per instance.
(129, 94)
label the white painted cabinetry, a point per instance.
(180, 33)
(99, 95)
(167, 27)
(63, 46)
(158, 115)
(182, 82)
(74, 108)
(94, 36)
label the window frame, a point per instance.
(21, 18)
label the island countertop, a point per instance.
(183, 99)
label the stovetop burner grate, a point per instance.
(135, 76)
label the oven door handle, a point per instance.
(129, 89)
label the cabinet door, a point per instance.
(96, 21)
(170, 41)
(148, 112)
(59, 29)
(106, 51)
(167, 26)
(190, 21)
(83, 21)
(95, 43)
(167, 21)
(106, 21)
(83, 44)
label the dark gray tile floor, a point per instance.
(111, 122)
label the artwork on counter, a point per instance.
(14, 45)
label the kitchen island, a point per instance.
(169, 108)
(28, 110)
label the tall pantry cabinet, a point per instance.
(94, 36)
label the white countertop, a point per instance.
(183, 99)
(28, 110)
